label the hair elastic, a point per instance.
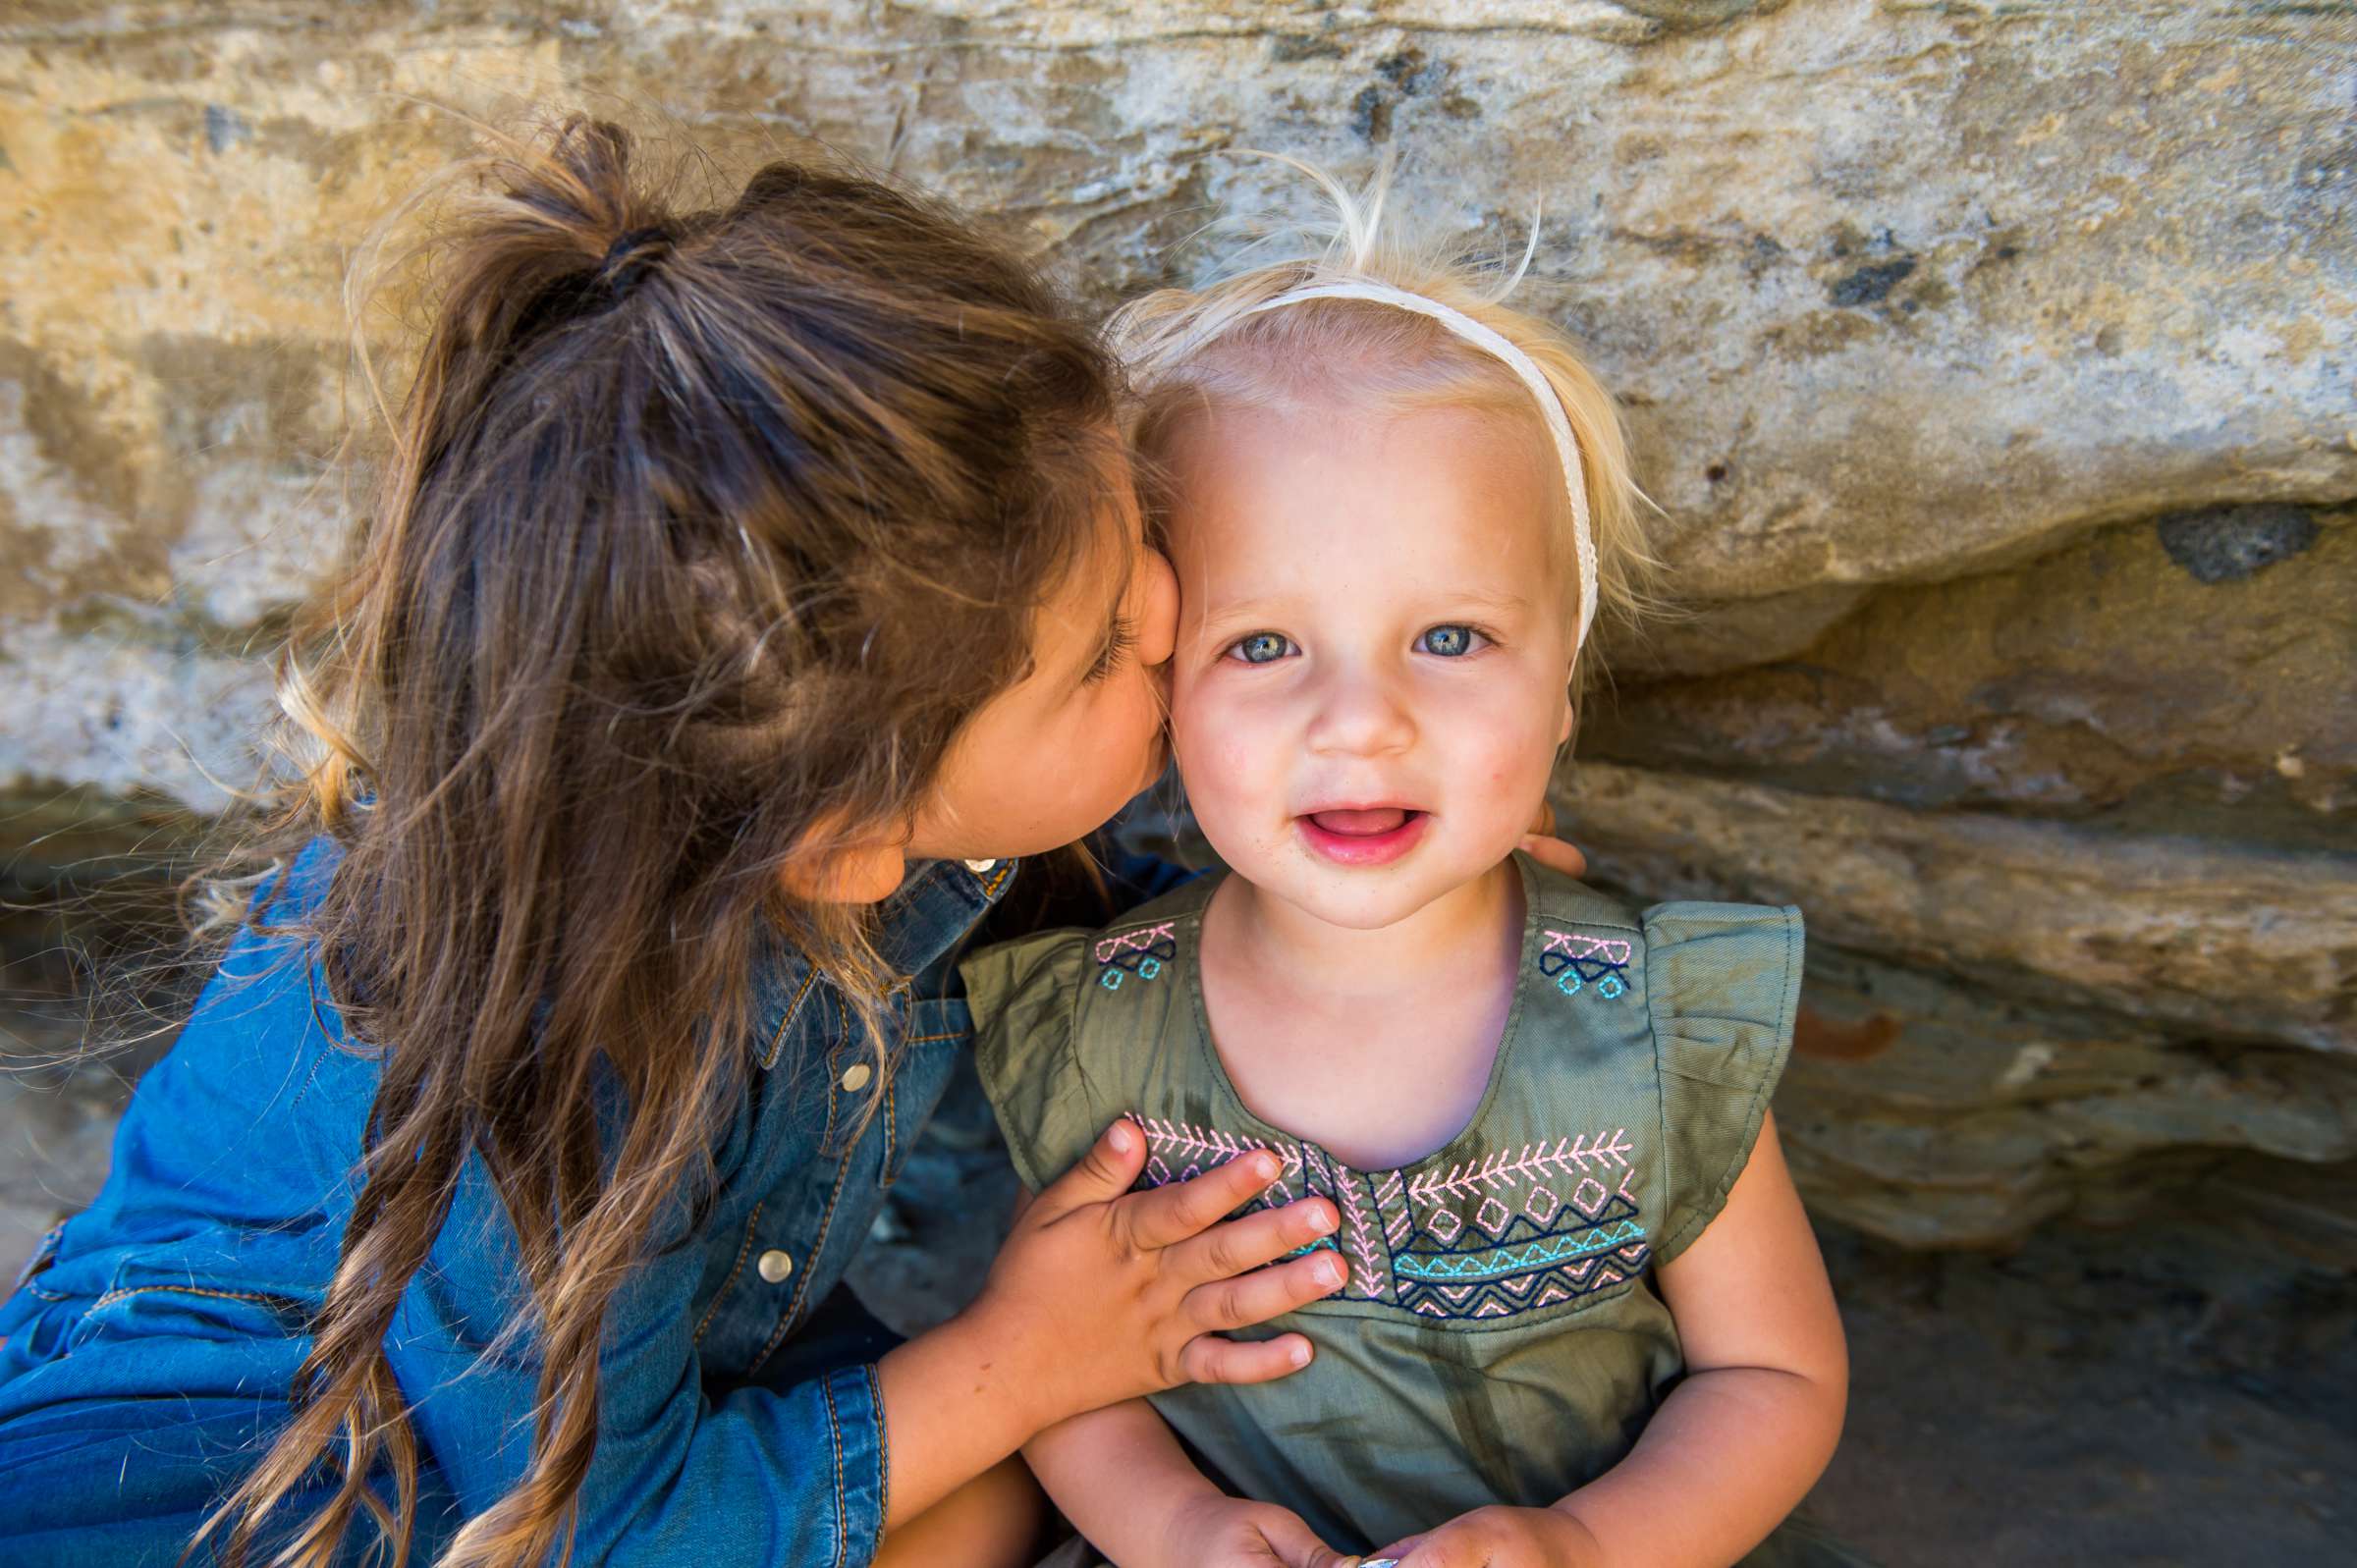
(616, 272)
(1494, 344)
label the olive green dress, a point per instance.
(1498, 1338)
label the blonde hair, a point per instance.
(1189, 351)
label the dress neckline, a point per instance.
(1465, 1143)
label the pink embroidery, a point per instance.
(1567, 1157)
(1113, 947)
(1572, 945)
(1202, 1144)
(1366, 1270)
(1575, 963)
(1387, 1196)
(1479, 1204)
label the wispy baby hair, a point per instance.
(1249, 339)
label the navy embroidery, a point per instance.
(1142, 954)
(1516, 1230)
(1576, 962)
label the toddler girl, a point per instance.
(1582, 1318)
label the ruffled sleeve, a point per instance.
(1024, 999)
(1724, 981)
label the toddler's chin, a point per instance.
(1367, 898)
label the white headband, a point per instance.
(1551, 409)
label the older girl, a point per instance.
(747, 587)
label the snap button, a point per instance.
(979, 867)
(775, 1266)
(856, 1076)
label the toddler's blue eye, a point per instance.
(1450, 642)
(1261, 647)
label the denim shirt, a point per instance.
(183, 1292)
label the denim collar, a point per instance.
(933, 909)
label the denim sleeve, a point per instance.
(780, 1478)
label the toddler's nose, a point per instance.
(1359, 714)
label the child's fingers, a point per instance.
(1208, 1358)
(1247, 1243)
(1103, 1175)
(1256, 1297)
(1557, 855)
(1295, 1544)
(1171, 1213)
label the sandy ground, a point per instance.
(2171, 1393)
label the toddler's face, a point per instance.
(1371, 677)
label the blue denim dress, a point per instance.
(146, 1354)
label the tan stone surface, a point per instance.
(2243, 944)
(1927, 314)
(2103, 678)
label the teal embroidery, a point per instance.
(1529, 1245)
(1494, 1263)
(1135, 952)
(1576, 962)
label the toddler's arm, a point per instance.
(1738, 1443)
(1120, 1477)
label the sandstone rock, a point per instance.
(1975, 1114)
(2247, 945)
(1991, 365)
(2108, 681)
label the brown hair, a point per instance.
(701, 534)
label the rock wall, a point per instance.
(1992, 364)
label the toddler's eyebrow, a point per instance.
(1243, 612)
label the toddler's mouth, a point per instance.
(1363, 835)
(1363, 822)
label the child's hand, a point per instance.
(1557, 854)
(1501, 1538)
(1215, 1531)
(1101, 1294)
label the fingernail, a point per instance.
(1329, 1272)
(1300, 1354)
(1120, 1138)
(1321, 1221)
(1265, 1167)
